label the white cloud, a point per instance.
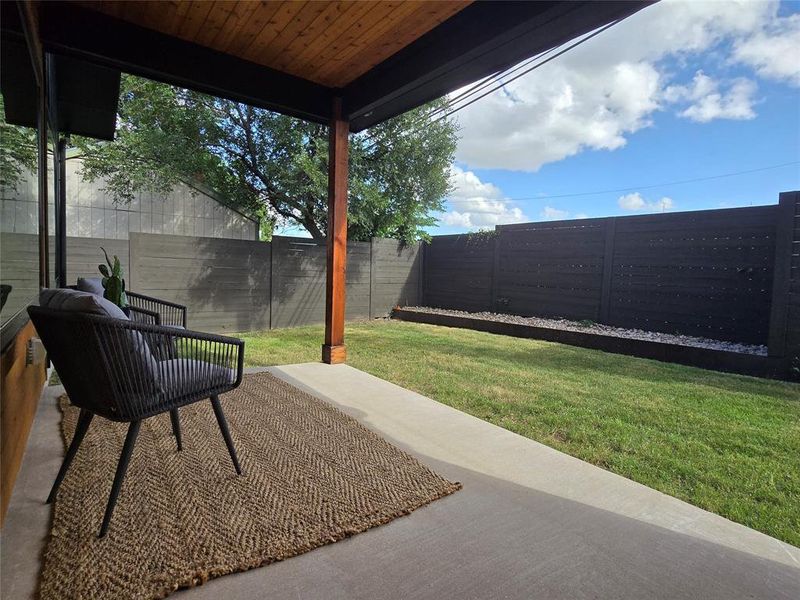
(554, 214)
(708, 102)
(478, 204)
(596, 95)
(635, 202)
(774, 51)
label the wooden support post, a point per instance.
(333, 351)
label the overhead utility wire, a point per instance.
(642, 187)
(482, 84)
(525, 72)
(498, 76)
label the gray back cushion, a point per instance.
(91, 284)
(86, 302)
(77, 301)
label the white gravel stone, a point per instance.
(568, 325)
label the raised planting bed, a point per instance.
(686, 350)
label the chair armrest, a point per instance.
(219, 350)
(142, 315)
(171, 313)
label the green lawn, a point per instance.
(727, 443)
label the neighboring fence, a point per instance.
(225, 283)
(237, 285)
(232, 285)
(706, 273)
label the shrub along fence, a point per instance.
(730, 274)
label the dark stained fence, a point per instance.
(20, 253)
(784, 337)
(551, 269)
(396, 276)
(84, 256)
(225, 283)
(242, 285)
(705, 273)
(298, 282)
(458, 272)
(298, 279)
(793, 316)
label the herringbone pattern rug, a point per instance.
(312, 476)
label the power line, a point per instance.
(426, 121)
(526, 71)
(483, 84)
(641, 187)
(630, 189)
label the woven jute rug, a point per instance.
(312, 476)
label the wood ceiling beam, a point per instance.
(72, 30)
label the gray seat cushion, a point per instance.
(78, 301)
(91, 284)
(184, 376)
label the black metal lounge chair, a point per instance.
(109, 369)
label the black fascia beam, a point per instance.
(483, 38)
(89, 35)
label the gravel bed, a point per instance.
(567, 325)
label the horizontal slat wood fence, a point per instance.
(784, 336)
(232, 285)
(239, 285)
(705, 273)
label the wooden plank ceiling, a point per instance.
(330, 43)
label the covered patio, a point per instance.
(530, 522)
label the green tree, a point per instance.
(274, 165)
(17, 150)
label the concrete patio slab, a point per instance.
(531, 522)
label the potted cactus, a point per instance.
(113, 282)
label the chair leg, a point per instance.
(223, 426)
(176, 427)
(80, 430)
(122, 467)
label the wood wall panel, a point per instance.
(704, 273)
(20, 388)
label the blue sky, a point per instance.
(678, 91)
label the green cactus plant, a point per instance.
(113, 282)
